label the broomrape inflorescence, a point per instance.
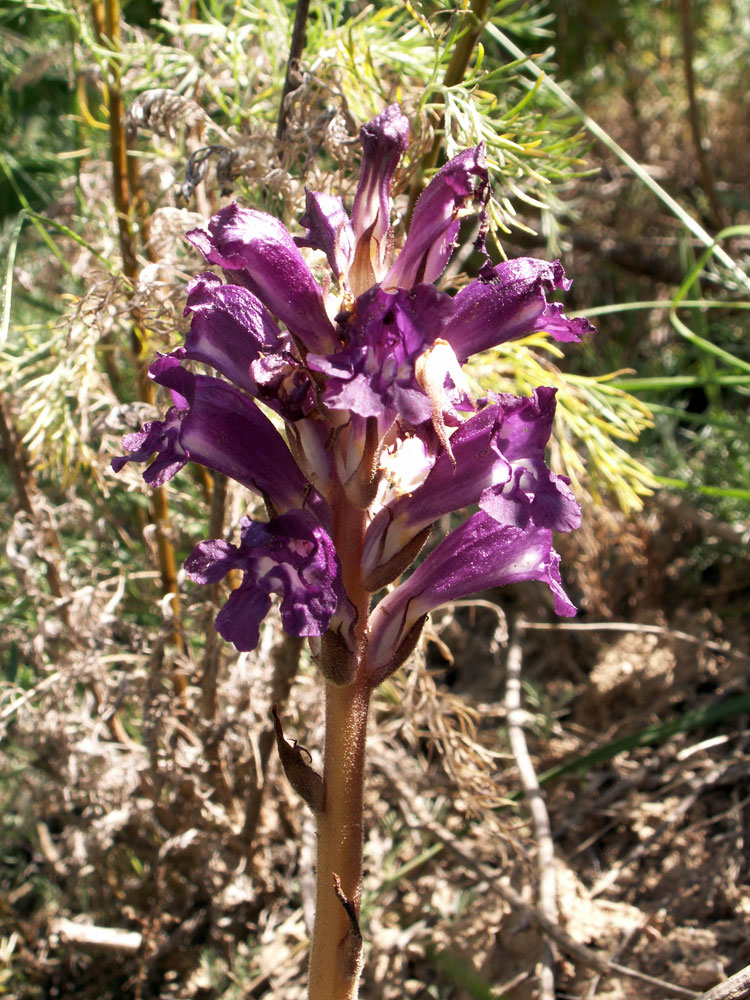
(382, 438)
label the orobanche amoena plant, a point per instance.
(381, 439)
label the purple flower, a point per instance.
(381, 436)
(328, 229)
(291, 556)
(476, 556)
(261, 255)
(532, 494)
(374, 375)
(216, 425)
(230, 329)
(436, 219)
(510, 301)
(496, 461)
(383, 140)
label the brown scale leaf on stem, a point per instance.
(350, 947)
(304, 779)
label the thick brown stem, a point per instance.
(296, 48)
(336, 946)
(707, 182)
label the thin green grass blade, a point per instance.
(691, 278)
(732, 492)
(410, 866)
(685, 218)
(664, 383)
(66, 231)
(5, 166)
(619, 307)
(701, 718)
(8, 286)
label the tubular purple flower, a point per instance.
(230, 329)
(533, 494)
(478, 462)
(261, 255)
(435, 222)
(384, 139)
(216, 425)
(328, 229)
(509, 301)
(480, 554)
(291, 556)
(496, 461)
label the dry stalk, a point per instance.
(688, 56)
(129, 197)
(537, 808)
(292, 79)
(737, 987)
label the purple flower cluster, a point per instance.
(382, 436)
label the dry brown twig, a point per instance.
(537, 808)
(671, 633)
(737, 987)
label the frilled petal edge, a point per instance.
(509, 301)
(292, 556)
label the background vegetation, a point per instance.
(148, 847)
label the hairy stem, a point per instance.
(336, 946)
(335, 959)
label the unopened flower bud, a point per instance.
(336, 662)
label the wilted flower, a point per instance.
(382, 434)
